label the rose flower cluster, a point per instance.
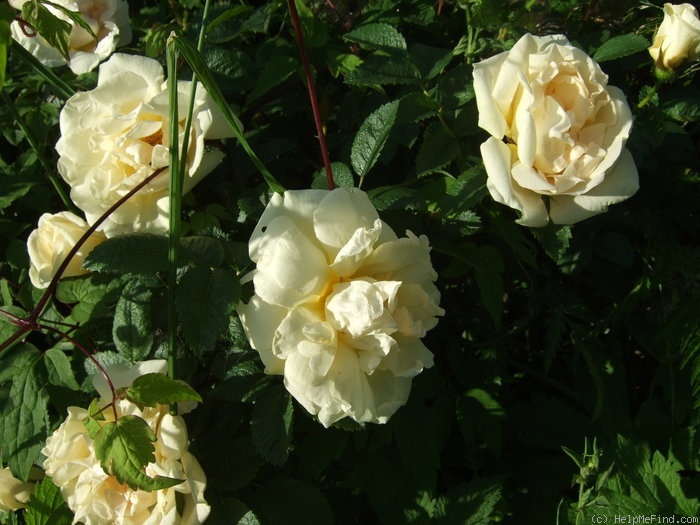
(97, 498)
(112, 138)
(341, 303)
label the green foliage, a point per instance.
(154, 389)
(46, 506)
(124, 448)
(620, 46)
(371, 138)
(566, 382)
(24, 415)
(53, 29)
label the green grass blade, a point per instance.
(196, 62)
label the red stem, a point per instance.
(312, 93)
(59, 273)
(91, 358)
(30, 323)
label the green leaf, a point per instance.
(132, 253)
(158, 389)
(378, 36)
(205, 251)
(475, 502)
(92, 296)
(124, 448)
(13, 188)
(342, 177)
(46, 505)
(132, 329)
(75, 16)
(621, 46)
(54, 30)
(380, 70)
(683, 109)
(205, 298)
(430, 61)
(478, 413)
(196, 62)
(59, 369)
(554, 238)
(288, 501)
(7, 326)
(437, 150)
(271, 424)
(23, 413)
(274, 72)
(371, 137)
(244, 382)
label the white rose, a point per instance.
(50, 243)
(14, 494)
(677, 39)
(340, 304)
(97, 498)
(116, 135)
(558, 131)
(108, 19)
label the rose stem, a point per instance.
(30, 323)
(312, 93)
(91, 357)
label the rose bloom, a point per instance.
(14, 494)
(108, 19)
(99, 499)
(558, 131)
(340, 305)
(50, 243)
(677, 39)
(116, 135)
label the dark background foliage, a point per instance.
(566, 382)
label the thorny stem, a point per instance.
(91, 357)
(312, 93)
(30, 323)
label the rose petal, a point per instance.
(502, 187)
(260, 321)
(620, 183)
(291, 269)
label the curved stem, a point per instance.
(90, 357)
(312, 93)
(62, 268)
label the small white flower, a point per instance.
(116, 135)
(99, 499)
(49, 244)
(677, 39)
(340, 304)
(558, 131)
(108, 19)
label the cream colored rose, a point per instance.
(108, 19)
(557, 149)
(97, 498)
(14, 494)
(116, 135)
(50, 243)
(677, 39)
(340, 304)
